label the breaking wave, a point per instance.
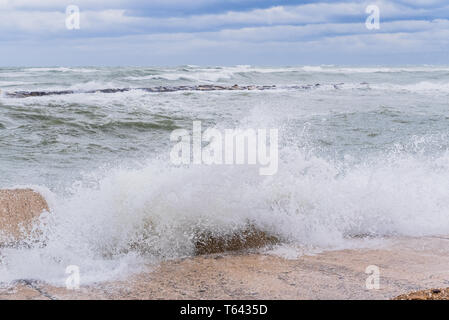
(111, 223)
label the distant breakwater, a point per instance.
(26, 94)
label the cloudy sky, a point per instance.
(223, 32)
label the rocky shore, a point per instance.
(405, 265)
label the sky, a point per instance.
(222, 32)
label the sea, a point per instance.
(363, 155)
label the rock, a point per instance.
(337, 274)
(249, 238)
(201, 87)
(432, 294)
(18, 210)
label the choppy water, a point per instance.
(364, 153)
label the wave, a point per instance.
(351, 70)
(203, 76)
(212, 74)
(422, 86)
(13, 83)
(61, 69)
(110, 224)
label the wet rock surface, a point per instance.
(250, 238)
(406, 265)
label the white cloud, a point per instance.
(16, 19)
(310, 31)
